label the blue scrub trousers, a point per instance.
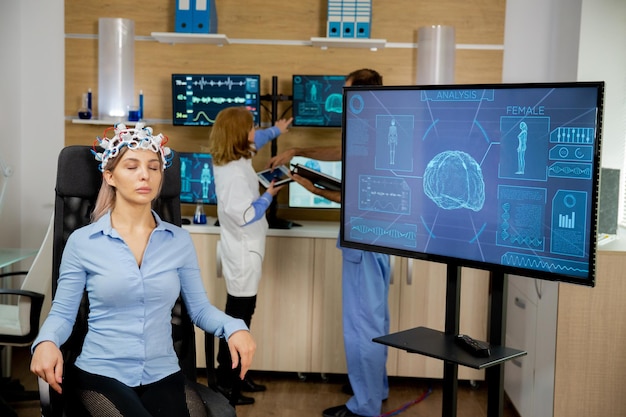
(365, 278)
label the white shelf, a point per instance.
(112, 122)
(100, 122)
(372, 44)
(221, 39)
(325, 43)
(176, 37)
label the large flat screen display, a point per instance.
(198, 98)
(317, 100)
(197, 179)
(501, 177)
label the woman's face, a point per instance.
(251, 135)
(137, 176)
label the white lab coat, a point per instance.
(242, 247)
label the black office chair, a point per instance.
(78, 182)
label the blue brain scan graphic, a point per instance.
(334, 103)
(454, 180)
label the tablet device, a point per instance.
(318, 178)
(280, 174)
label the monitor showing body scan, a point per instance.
(197, 179)
(317, 100)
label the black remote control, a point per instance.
(475, 347)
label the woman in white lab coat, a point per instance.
(241, 213)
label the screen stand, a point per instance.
(453, 309)
(497, 331)
(272, 219)
(498, 290)
(442, 346)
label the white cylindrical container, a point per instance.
(116, 67)
(436, 49)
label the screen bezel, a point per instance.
(591, 240)
(255, 113)
(296, 121)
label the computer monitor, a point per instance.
(197, 179)
(299, 197)
(198, 98)
(501, 177)
(317, 100)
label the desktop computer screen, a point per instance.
(198, 98)
(317, 100)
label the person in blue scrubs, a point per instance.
(365, 288)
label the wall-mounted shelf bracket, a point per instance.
(179, 37)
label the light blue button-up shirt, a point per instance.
(129, 335)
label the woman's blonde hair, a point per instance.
(229, 135)
(107, 193)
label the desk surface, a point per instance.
(306, 228)
(9, 256)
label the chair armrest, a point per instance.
(35, 312)
(44, 397)
(13, 274)
(51, 401)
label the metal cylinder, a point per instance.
(116, 67)
(436, 50)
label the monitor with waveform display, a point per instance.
(198, 98)
(500, 177)
(197, 180)
(317, 100)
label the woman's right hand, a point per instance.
(47, 363)
(274, 189)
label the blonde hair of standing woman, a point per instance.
(229, 136)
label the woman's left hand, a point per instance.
(242, 347)
(283, 125)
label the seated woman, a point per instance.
(133, 266)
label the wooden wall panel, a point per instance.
(590, 368)
(477, 22)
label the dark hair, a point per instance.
(365, 76)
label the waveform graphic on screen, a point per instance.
(502, 177)
(198, 98)
(218, 82)
(389, 195)
(399, 234)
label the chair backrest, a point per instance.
(77, 186)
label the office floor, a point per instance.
(289, 395)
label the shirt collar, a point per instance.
(103, 225)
